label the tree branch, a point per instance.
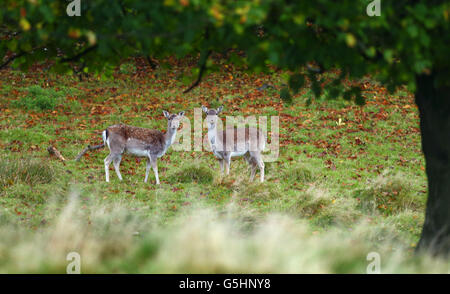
(200, 73)
(5, 64)
(152, 63)
(79, 55)
(88, 148)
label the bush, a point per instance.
(38, 98)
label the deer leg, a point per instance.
(107, 163)
(248, 158)
(253, 171)
(116, 163)
(221, 162)
(260, 163)
(227, 159)
(147, 169)
(261, 169)
(155, 170)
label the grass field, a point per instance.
(349, 180)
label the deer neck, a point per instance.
(212, 135)
(169, 137)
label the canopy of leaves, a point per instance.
(409, 38)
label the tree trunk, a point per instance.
(434, 109)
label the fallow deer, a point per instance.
(232, 142)
(140, 142)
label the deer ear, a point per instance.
(181, 113)
(205, 109)
(166, 114)
(219, 110)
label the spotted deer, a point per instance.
(139, 142)
(248, 142)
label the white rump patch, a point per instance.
(105, 141)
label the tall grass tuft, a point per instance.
(322, 208)
(25, 170)
(389, 194)
(190, 173)
(300, 173)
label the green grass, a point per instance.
(127, 68)
(194, 173)
(38, 98)
(26, 171)
(356, 184)
(389, 194)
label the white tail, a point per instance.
(247, 142)
(139, 142)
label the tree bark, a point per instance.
(434, 108)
